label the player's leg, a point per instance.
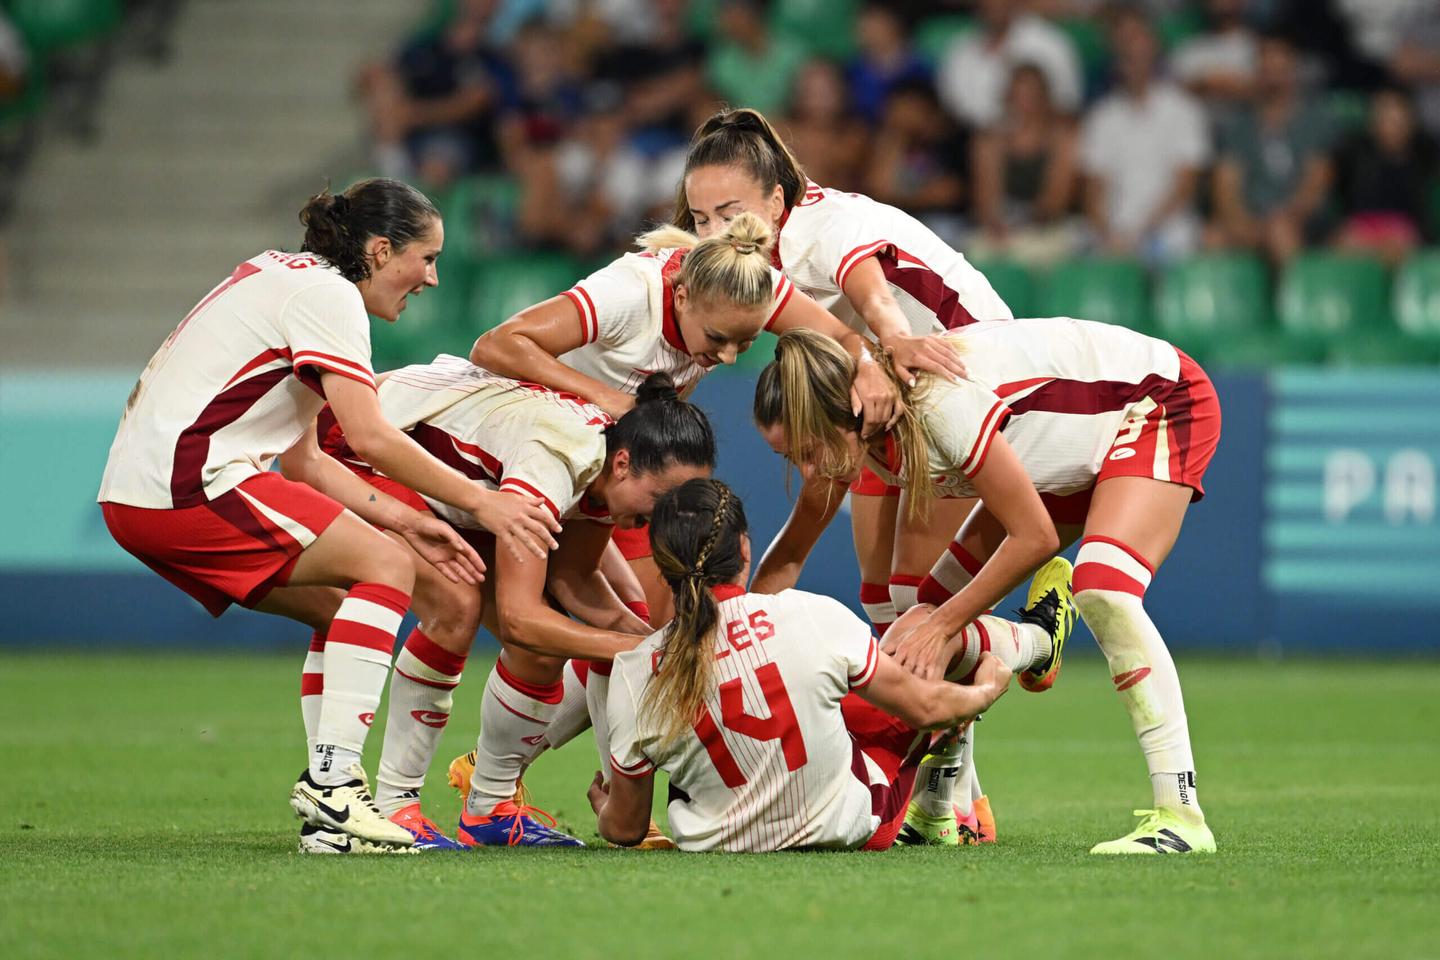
(920, 541)
(628, 567)
(524, 694)
(873, 509)
(315, 607)
(1133, 524)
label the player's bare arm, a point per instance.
(935, 704)
(815, 507)
(577, 581)
(622, 807)
(869, 293)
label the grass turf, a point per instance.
(145, 815)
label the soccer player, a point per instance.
(1105, 430)
(188, 488)
(591, 472)
(681, 306)
(886, 276)
(779, 720)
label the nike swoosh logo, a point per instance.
(338, 848)
(329, 811)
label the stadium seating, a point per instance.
(434, 322)
(1417, 296)
(51, 25)
(1329, 297)
(826, 27)
(1200, 301)
(1013, 282)
(1104, 289)
(934, 36)
(502, 286)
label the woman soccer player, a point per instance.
(1114, 428)
(592, 472)
(682, 306)
(780, 722)
(188, 488)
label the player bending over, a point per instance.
(778, 719)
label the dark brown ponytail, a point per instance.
(338, 225)
(742, 138)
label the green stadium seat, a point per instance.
(1330, 297)
(50, 25)
(1013, 281)
(1177, 27)
(1347, 111)
(1377, 349)
(1092, 46)
(502, 286)
(825, 27)
(1417, 296)
(478, 213)
(1204, 299)
(934, 36)
(1107, 290)
(1258, 350)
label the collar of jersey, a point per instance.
(727, 591)
(669, 326)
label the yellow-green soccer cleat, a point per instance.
(1160, 831)
(1050, 606)
(923, 830)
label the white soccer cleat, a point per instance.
(346, 808)
(325, 842)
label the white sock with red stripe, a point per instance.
(597, 690)
(312, 685)
(573, 716)
(955, 568)
(904, 592)
(875, 600)
(422, 691)
(357, 661)
(515, 717)
(1110, 583)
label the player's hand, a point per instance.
(875, 398)
(992, 675)
(445, 550)
(919, 651)
(598, 793)
(522, 525)
(912, 355)
(617, 403)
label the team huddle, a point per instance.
(555, 486)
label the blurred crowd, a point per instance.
(1031, 129)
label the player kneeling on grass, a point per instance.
(778, 719)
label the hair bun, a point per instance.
(339, 204)
(657, 386)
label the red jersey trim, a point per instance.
(872, 663)
(638, 771)
(727, 591)
(847, 262)
(669, 324)
(516, 485)
(988, 428)
(346, 368)
(787, 290)
(589, 318)
(269, 356)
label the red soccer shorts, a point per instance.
(1170, 435)
(893, 747)
(235, 548)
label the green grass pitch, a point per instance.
(144, 815)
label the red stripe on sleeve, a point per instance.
(514, 485)
(787, 291)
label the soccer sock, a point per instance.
(573, 716)
(312, 685)
(514, 718)
(597, 690)
(640, 608)
(935, 782)
(422, 691)
(1020, 646)
(357, 661)
(904, 591)
(875, 599)
(955, 568)
(1110, 582)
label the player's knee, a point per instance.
(454, 618)
(1098, 608)
(385, 562)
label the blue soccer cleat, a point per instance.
(427, 835)
(510, 825)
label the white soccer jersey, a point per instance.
(627, 312)
(238, 382)
(504, 433)
(769, 765)
(824, 235)
(1057, 389)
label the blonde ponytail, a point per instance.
(732, 267)
(805, 391)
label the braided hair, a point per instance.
(696, 531)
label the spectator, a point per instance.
(976, 69)
(752, 67)
(1274, 172)
(827, 137)
(1025, 177)
(1415, 61)
(885, 61)
(918, 160)
(433, 107)
(1142, 149)
(1384, 176)
(1219, 65)
(14, 62)
(662, 76)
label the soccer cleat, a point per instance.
(984, 820)
(923, 830)
(462, 768)
(427, 835)
(512, 825)
(1050, 606)
(320, 840)
(346, 808)
(1160, 831)
(655, 839)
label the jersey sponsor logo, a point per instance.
(1123, 453)
(431, 718)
